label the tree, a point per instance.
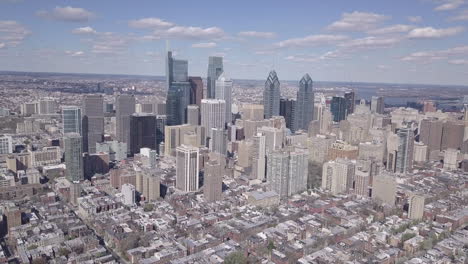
(64, 251)
(271, 246)
(235, 258)
(148, 207)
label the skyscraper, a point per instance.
(271, 96)
(178, 90)
(259, 157)
(196, 90)
(350, 102)
(287, 110)
(305, 104)
(416, 206)
(213, 114)
(193, 115)
(125, 107)
(73, 156)
(71, 119)
(143, 132)
(404, 159)
(338, 108)
(213, 181)
(377, 104)
(160, 129)
(93, 122)
(337, 175)
(6, 145)
(384, 188)
(215, 69)
(187, 168)
(218, 141)
(224, 92)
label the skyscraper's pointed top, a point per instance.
(272, 73)
(306, 78)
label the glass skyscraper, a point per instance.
(224, 92)
(338, 108)
(305, 103)
(215, 69)
(178, 90)
(93, 122)
(71, 119)
(271, 96)
(73, 156)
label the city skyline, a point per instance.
(420, 42)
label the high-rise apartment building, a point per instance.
(128, 193)
(93, 122)
(213, 181)
(47, 106)
(193, 115)
(271, 96)
(125, 107)
(73, 157)
(215, 69)
(187, 168)
(213, 114)
(218, 141)
(416, 207)
(71, 119)
(405, 156)
(338, 175)
(384, 188)
(6, 145)
(224, 92)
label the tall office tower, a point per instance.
(451, 159)
(215, 69)
(213, 114)
(196, 90)
(93, 122)
(416, 207)
(47, 106)
(404, 159)
(305, 103)
(178, 90)
(377, 104)
(326, 121)
(73, 156)
(430, 133)
(271, 96)
(193, 115)
(128, 193)
(287, 110)
(258, 156)
(159, 108)
(337, 175)
(6, 145)
(175, 136)
(125, 107)
(338, 108)
(452, 135)
(187, 168)
(213, 181)
(362, 181)
(71, 119)
(254, 112)
(143, 132)
(218, 141)
(384, 188)
(350, 102)
(287, 171)
(160, 129)
(224, 92)
(274, 137)
(319, 147)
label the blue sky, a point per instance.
(398, 41)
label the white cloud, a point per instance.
(459, 62)
(84, 31)
(12, 33)
(430, 32)
(383, 67)
(311, 40)
(369, 43)
(68, 14)
(462, 16)
(257, 34)
(301, 58)
(150, 23)
(391, 29)
(426, 56)
(109, 43)
(357, 21)
(2, 45)
(264, 52)
(449, 5)
(193, 32)
(415, 19)
(74, 53)
(204, 45)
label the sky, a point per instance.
(397, 41)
